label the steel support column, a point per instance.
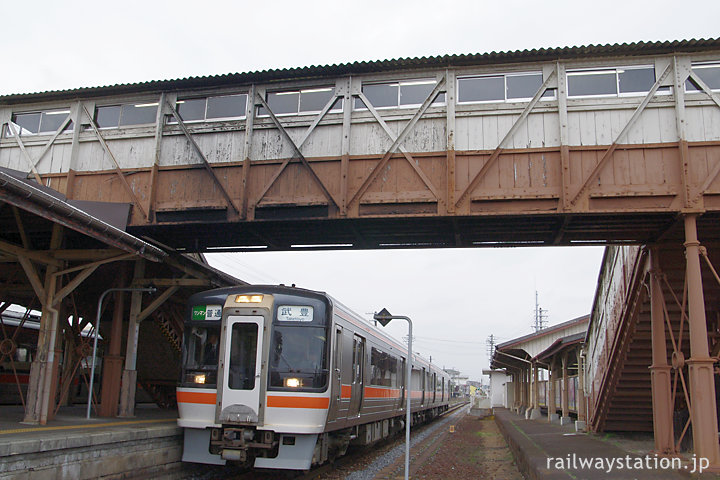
(700, 365)
(661, 382)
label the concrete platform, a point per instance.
(545, 451)
(73, 447)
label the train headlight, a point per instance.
(199, 378)
(248, 298)
(293, 382)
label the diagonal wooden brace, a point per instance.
(118, 171)
(396, 143)
(426, 180)
(608, 153)
(298, 155)
(204, 159)
(496, 153)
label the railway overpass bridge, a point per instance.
(615, 144)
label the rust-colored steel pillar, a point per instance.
(660, 369)
(700, 365)
(551, 405)
(113, 362)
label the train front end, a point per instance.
(254, 387)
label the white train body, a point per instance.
(280, 377)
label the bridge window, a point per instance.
(211, 108)
(292, 102)
(39, 123)
(113, 116)
(708, 73)
(410, 93)
(501, 88)
(622, 81)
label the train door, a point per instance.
(423, 386)
(336, 377)
(434, 386)
(403, 384)
(240, 369)
(357, 385)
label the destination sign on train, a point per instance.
(295, 313)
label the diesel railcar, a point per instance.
(285, 378)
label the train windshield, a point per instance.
(201, 355)
(298, 358)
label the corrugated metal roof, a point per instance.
(416, 63)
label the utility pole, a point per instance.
(540, 315)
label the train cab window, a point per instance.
(298, 358)
(201, 357)
(243, 352)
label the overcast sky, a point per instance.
(456, 297)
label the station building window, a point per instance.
(510, 87)
(410, 93)
(113, 116)
(620, 81)
(708, 73)
(38, 123)
(222, 107)
(293, 102)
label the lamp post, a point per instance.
(384, 317)
(97, 329)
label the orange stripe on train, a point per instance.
(298, 402)
(374, 392)
(197, 397)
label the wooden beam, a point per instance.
(608, 153)
(247, 149)
(564, 136)
(31, 254)
(33, 277)
(450, 135)
(118, 170)
(493, 157)
(117, 258)
(171, 282)
(21, 228)
(345, 145)
(204, 159)
(155, 170)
